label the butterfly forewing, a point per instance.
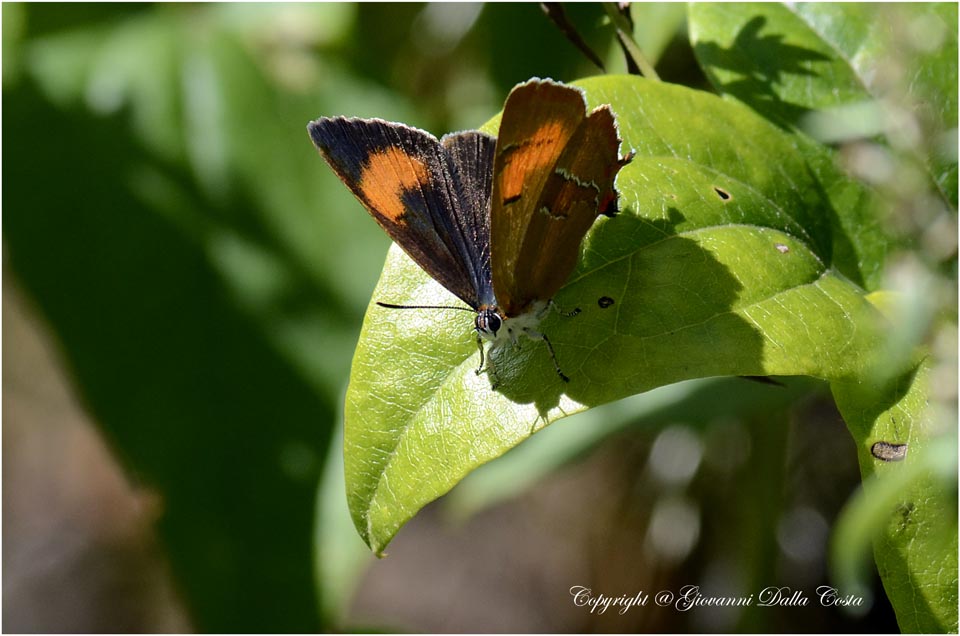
(412, 186)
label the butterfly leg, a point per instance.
(480, 347)
(553, 356)
(491, 371)
(552, 306)
(536, 335)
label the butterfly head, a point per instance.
(488, 322)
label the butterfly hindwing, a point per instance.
(422, 192)
(578, 189)
(554, 170)
(471, 154)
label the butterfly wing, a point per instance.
(421, 192)
(471, 154)
(554, 172)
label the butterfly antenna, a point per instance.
(390, 306)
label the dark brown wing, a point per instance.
(554, 170)
(413, 187)
(471, 154)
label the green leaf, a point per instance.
(718, 265)
(908, 508)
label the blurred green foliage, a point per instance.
(204, 273)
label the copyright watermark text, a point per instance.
(690, 597)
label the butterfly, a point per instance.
(498, 221)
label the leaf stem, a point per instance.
(624, 32)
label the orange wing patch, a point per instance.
(530, 156)
(386, 175)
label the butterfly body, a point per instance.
(498, 221)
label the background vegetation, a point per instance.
(201, 276)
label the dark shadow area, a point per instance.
(766, 60)
(842, 249)
(190, 394)
(678, 64)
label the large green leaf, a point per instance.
(719, 264)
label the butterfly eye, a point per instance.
(488, 322)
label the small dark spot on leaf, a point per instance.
(905, 510)
(723, 194)
(783, 249)
(604, 302)
(887, 452)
